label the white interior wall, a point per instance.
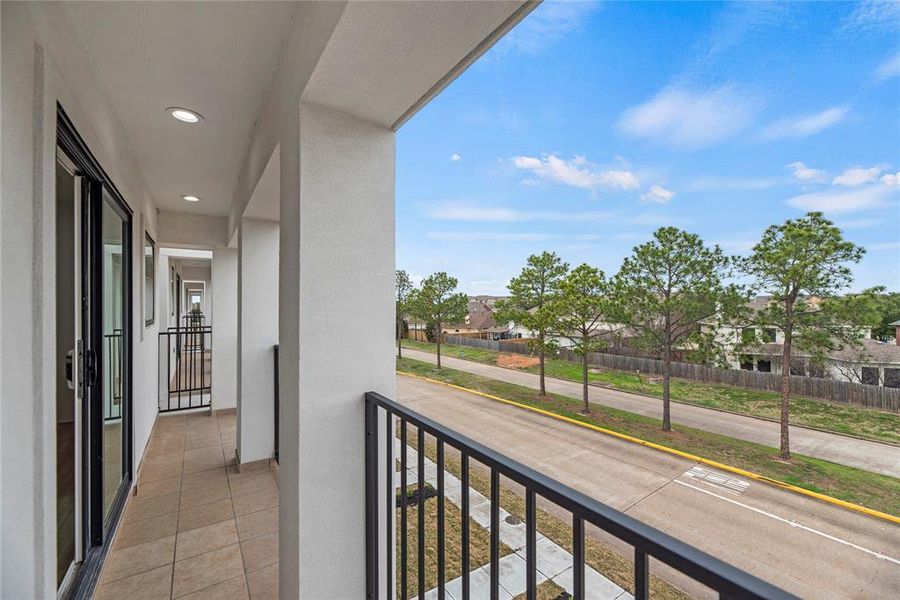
(257, 334)
(203, 275)
(224, 332)
(43, 63)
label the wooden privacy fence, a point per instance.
(845, 392)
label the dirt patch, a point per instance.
(516, 361)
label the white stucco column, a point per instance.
(257, 331)
(336, 334)
(224, 331)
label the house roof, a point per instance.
(870, 351)
(480, 315)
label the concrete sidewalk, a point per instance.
(862, 454)
(808, 547)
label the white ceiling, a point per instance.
(152, 55)
(383, 57)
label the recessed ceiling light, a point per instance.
(185, 115)
(191, 198)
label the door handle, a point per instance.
(70, 372)
(90, 367)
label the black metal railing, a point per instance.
(647, 542)
(188, 367)
(113, 369)
(275, 394)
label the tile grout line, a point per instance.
(233, 515)
(178, 518)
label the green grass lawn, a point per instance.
(875, 491)
(839, 418)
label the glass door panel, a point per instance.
(67, 331)
(113, 350)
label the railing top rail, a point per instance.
(189, 329)
(730, 581)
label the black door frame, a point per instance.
(96, 532)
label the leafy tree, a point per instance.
(667, 290)
(530, 302)
(802, 264)
(437, 303)
(403, 289)
(583, 309)
(887, 306)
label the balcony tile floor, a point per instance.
(198, 527)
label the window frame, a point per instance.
(152, 278)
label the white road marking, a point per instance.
(719, 481)
(878, 555)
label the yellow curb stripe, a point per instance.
(749, 474)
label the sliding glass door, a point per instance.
(94, 316)
(113, 302)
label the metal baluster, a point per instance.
(168, 371)
(578, 557)
(421, 512)
(495, 534)
(178, 352)
(464, 467)
(404, 555)
(389, 475)
(441, 567)
(371, 500)
(530, 545)
(641, 575)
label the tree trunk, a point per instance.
(667, 374)
(667, 369)
(584, 382)
(786, 383)
(399, 337)
(437, 339)
(543, 389)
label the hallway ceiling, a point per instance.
(152, 55)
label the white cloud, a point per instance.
(494, 287)
(889, 68)
(806, 125)
(858, 176)
(804, 173)
(577, 172)
(658, 194)
(455, 157)
(874, 15)
(660, 219)
(858, 223)
(468, 212)
(884, 246)
(891, 179)
(491, 236)
(685, 118)
(713, 183)
(549, 23)
(843, 201)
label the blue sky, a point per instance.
(590, 125)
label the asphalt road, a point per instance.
(871, 456)
(810, 548)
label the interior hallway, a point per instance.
(197, 527)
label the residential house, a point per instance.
(756, 348)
